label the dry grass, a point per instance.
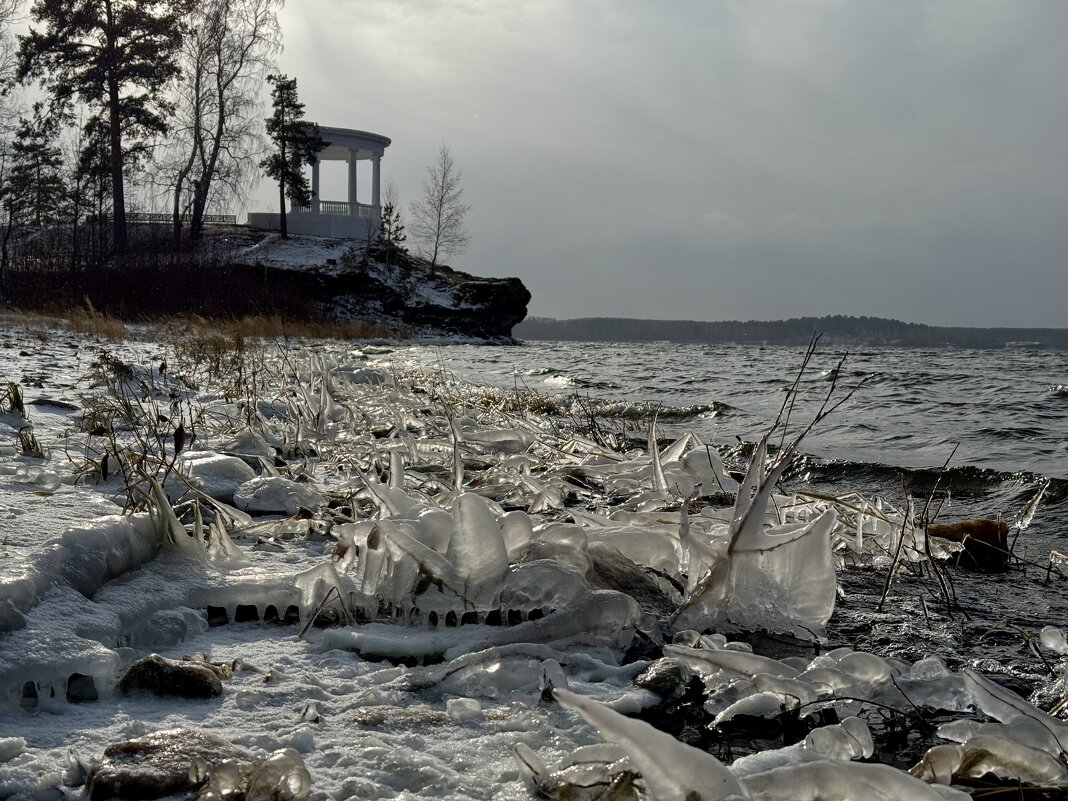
(87, 320)
(275, 326)
(35, 324)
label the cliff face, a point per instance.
(342, 278)
(447, 302)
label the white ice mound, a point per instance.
(843, 781)
(248, 443)
(1007, 707)
(85, 557)
(276, 495)
(779, 578)
(672, 770)
(476, 548)
(216, 474)
(985, 754)
(33, 477)
(851, 739)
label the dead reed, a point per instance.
(87, 320)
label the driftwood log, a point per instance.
(985, 541)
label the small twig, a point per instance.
(319, 608)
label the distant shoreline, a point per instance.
(836, 329)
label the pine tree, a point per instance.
(36, 184)
(391, 233)
(296, 144)
(115, 56)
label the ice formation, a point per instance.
(472, 568)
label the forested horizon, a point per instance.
(852, 330)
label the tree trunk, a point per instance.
(177, 210)
(4, 257)
(75, 213)
(282, 190)
(202, 183)
(282, 208)
(118, 195)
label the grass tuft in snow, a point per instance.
(88, 320)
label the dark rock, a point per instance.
(684, 716)
(669, 678)
(482, 307)
(11, 618)
(157, 764)
(610, 570)
(166, 677)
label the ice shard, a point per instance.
(672, 770)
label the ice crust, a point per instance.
(453, 551)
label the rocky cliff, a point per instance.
(343, 278)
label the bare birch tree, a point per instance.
(8, 11)
(437, 218)
(219, 129)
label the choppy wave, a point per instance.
(966, 482)
(561, 380)
(624, 410)
(1008, 414)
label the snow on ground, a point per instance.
(362, 729)
(380, 501)
(298, 252)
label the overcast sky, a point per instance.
(722, 159)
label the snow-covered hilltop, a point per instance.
(236, 271)
(349, 279)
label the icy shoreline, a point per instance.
(332, 485)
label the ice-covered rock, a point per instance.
(984, 754)
(216, 474)
(249, 444)
(276, 495)
(157, 764)
(162, 676)
(1007, 707)
(476, 550)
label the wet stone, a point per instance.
(610, 570)
(157, 765)
(166, 677)
(669, 678)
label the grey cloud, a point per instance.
(725, 159)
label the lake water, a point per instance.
(1005, 412)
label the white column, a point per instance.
(353, 204)
(315, 187)
(376, 184)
